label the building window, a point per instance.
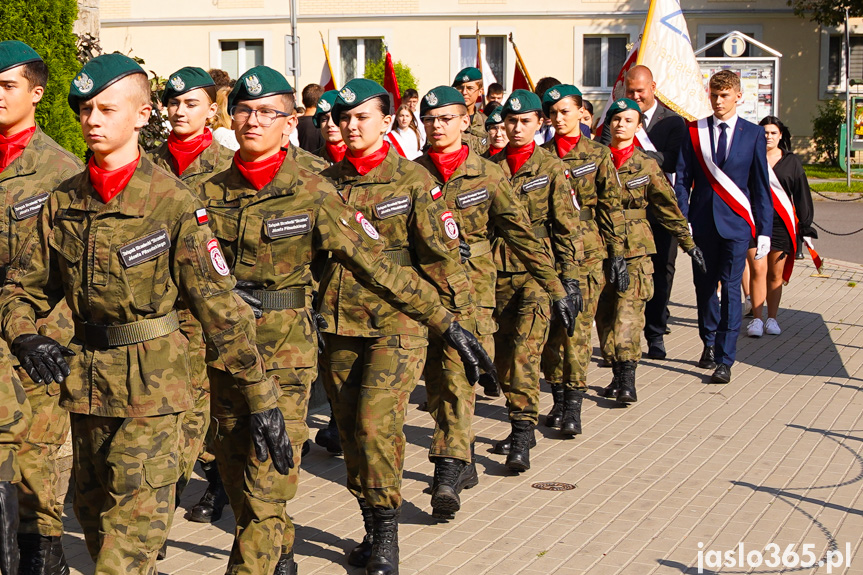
(240, 55)
(356, 53)
(494, 48)
(836, 60)
(603, 58)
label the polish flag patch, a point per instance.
(201, 216)
(436, 193)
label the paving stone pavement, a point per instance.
(690, 470)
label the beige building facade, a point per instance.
(582, 42)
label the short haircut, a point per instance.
(220, 77)
(494, 88)
(36, 73)
(725, 80)
(290, 102)
(311, 95)
(139, 90)
(544, 84)
(410, 93)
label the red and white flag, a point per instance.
(521, 77)
(391, 83)
(327, 81)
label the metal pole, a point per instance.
(849, 120)
(295, 53)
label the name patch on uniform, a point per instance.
(393, 207)
(29, 207)
(535, 184)
(217, 258)
(637, 182)
(367, 226)
(584, 170)
(145, 249)
(71, 215)
(473, 198)
(288, 226)
(449, 225)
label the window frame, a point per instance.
(455, 35)
(630, 29)
(825, 89)
(335, 35)
(216, 39)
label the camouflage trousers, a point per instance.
(259, 494)
(39, 508)
(565, 359)
(450, 396)
(522, 314)
(125, 473)
(368, 381)
(196, 427)
(620, 315)
(15, 416)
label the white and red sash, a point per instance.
(393, 139)
(783, 206)
(724, 186)
(642, 140)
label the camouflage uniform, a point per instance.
(565, 359)
(312, 162)
(375, 353)
(479, 195)
(523, 308)
(272, 237)
(323, 153)
(25, 185)
(122, 268)
(620, 316)
(476, 136)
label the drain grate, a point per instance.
(553, 486)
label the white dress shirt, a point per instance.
(729, 132)
(648, 114)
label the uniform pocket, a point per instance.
(162, 471)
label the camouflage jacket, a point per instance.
(25, 186)
(643, 185)
(129, 260)
(407, 210)
(543, 187)
(480, 196)
(272, 237)
(595, 180)
(312, 162)
(475, 136)
(323, 153)
(214, 159)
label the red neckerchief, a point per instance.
(366, 164)
(516, 157)
(261, 173)
(620, 155)
(447, 163)
(108, 184)
(185, 151)
(495, 151)
(336, 151)
(13, 146)
(565, 143)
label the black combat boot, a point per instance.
(57, 560)
(504, 446)
(9, 541)
(384, 559)
(555, 416)
(572, 412)
(328, 437)
(612, 389)
(359, 555)
(39, 555)
(209, 508)
(522, 440)
(286, 565)
(451, 476)
(627, 382)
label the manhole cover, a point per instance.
(553, 486)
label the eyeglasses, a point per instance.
(444, 120)
(469, 89)
(265, 116)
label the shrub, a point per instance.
(825, 129)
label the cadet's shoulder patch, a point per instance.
(145, 248)
(566, 174)
(29, 207)
(367, 226)
(535, 184)
(287, 226)
(485, 141)
(471, 198)
(436, 193)
(393, 207)
(584, 169)
(201, 216)
(449, 225)
(574, 197)
(216, 258)
(637, 182)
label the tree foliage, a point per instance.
(46, 25)
(827, 12)
(406, 79)
(825, 129)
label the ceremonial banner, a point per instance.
(327, 82)
(521, 78)
(391, 83)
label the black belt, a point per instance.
(291, 298)
(585, 214)
(107, 336)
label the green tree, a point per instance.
(406, 79)
(827, 12)
(46, 25)
(825, 129)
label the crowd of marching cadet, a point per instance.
(176, 307)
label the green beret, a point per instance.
(258, 82)
(440, 97)
(622, 105)
(14, 53)
(356, 92)
(555, 94)
(325, 105)
(520, 102)
(494, 118)
(469, 74)
(185, 80)
(99, 73)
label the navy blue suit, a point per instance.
(721, 234)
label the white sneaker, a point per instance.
(772, 327)
(755, 328)
(747, 306)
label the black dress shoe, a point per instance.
(708, 358)
(721, 375)
(656, 349)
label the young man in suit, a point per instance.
(723, 189)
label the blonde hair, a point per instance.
(413, 124)
(222, 119)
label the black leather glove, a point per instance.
(490, 388)
(698, 259)
(42, 357)
(617, 273)
(320, 324)
(9, 554)
(244, 290)
(270, 438)
(471, 351)
(463, 250)
(564, 311)
(573, 288)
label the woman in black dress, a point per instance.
(766, 276)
